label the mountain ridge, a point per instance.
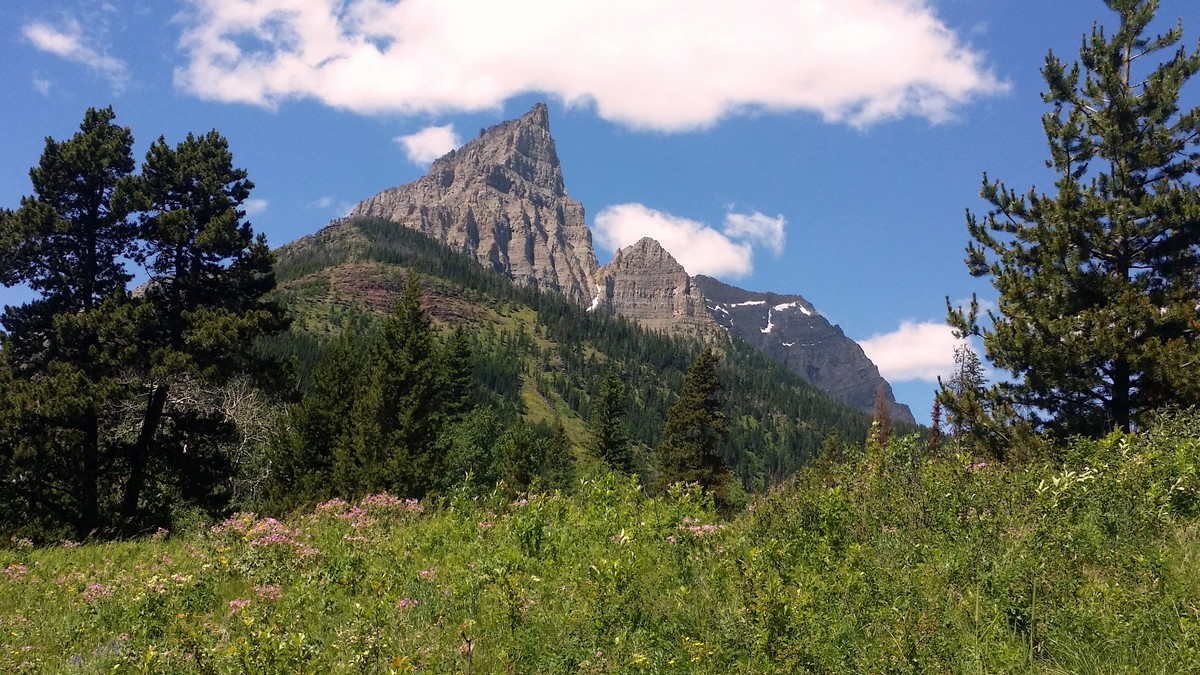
(502, 200)
(788, 329)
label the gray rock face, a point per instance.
(644, 282)
(788, 329)
(501, 199)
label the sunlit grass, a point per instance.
(869, 565)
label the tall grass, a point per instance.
(874, 563)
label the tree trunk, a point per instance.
(140, 455)
(89, 502)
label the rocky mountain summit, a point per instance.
(644, 282)
(501, 199)
(789, 330)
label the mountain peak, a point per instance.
(646, 283)
(647, 252)
(538, 116)
(515, 155)
(501, 198)
(788, 329)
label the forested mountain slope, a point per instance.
(542, 355)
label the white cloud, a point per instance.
(254, 206)
(757, 228)
(655, 64)
(915, 351)
(42, 85)
(698, 247)
(340, 209)
(69, 42)
(429, 143)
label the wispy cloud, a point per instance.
(429, 143)
(653, 64)
(757, 228)
(914, 352)
(700, 248)
(340, 209)
(42, 85)
(68, 41)
(254, 206)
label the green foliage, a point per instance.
(694, 430)
(389, 412)
(607, 425)
(1099, 282)
(874, 563)
(113, 415)
(316, 429)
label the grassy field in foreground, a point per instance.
(883, 561)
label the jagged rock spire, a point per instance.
(501, 198)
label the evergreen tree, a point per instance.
(694, 431)
(91, 367)
(558, 465)
(935, 428)
(607, 422)
(881, 420)
(1099, 282)
(202, 311)
(964, 395)
(458, 385)
(402, 407)
(67, 242)
(317, 429)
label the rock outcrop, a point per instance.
(789, 329)
(644, 282)
(501, 199)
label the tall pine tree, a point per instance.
(694, 430)
(67, 242)
(1099, 282)
(200, 315)
(317, 429)
(607, 422)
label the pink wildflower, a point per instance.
(95, 592)
(237, 605)
(15, 571)
(428, 575)
(334, 504)
(383, 500)
(268, 592)
(692, 527)
(407, 603)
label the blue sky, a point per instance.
(822, 147)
